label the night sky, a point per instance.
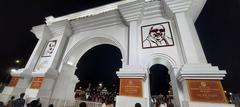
(217, 26)
(99, 65)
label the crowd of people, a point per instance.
(20, 102)
(162, 101)
(101, 95)
(96, 95)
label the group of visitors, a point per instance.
(95, 95)
(83, 104)
(20, 102)
(162, 101)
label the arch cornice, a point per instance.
(160, 58)
(83, 45)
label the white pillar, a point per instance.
(176, 87)
(147, 90)
(50, 72)
(133, 43)
(181, 12)
(50, 76)
(71, 87)
(43, 34)
(65, 84)
(191, 46)
(130, 72)
(132, 16)
(22, 85)
(45, 92)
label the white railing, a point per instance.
(56, 102)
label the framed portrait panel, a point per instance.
(157, 35)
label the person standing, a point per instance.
(82, 104)
(138, 105)
(36, 103)
(20, 101)
(108, 103)
(1, 104)
(170, 104)
(103, 103)
(10, 102)
(51, 105)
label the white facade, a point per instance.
(63, 41)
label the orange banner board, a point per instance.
(131, 87)
(37, 82)
(206, 91)
(13, 81)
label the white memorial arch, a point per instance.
(146, 32)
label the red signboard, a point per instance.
(206, 91)
(13, 81)
(131, 87)
(37, 82)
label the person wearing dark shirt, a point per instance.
(36, 103)
(51, 105)
(82, 104)
(138, 105)
(1, 104)
(20, 101)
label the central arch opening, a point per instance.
(96, 71)
(160, 85)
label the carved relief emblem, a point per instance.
(130, 82)
(203, 84)
(50, 48)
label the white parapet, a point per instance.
(89, 12)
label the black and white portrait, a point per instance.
(49, 48)
(157, 35)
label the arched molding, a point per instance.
(82, 46)
(171, 65)
(72, 56)
(163, 59)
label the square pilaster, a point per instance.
(202, 86)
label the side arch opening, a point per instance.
(160, 81)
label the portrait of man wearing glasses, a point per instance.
(158, 35)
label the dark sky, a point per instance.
(217, 26)
(159, 80)
(99, 65)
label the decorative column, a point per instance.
(45, 71)
(176, 87)
(188, 37)
(65, 84)
(22, 77)
(201, 85)
(133, 84)
(131, 90)
(132, 16)
(133, 43)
